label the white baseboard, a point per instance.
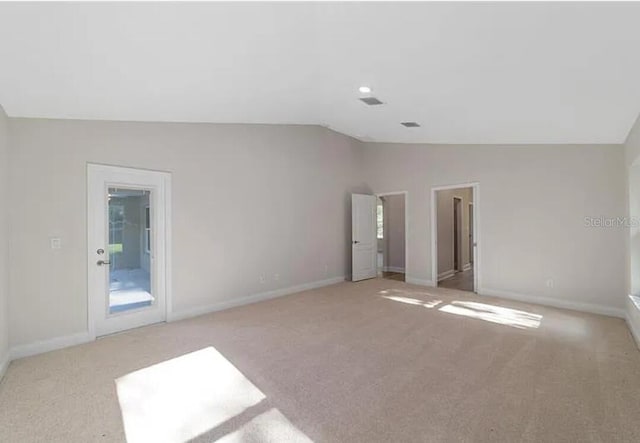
(4, 364)
(393, 269)
(633, 320)
(226, 304)
(556, 303)
(466, 267)
(52, 344)
(446, 274)
(418, 281)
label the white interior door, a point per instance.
(128, 222)
(364, 248)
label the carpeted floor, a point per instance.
(374, 361)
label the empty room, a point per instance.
(319, 222)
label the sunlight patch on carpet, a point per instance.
(192, 395)
(268, 427)
(410, 297)
(413, 301)
(493, 314)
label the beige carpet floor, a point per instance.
(375, 361)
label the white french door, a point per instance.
(364, 250)
(128, 224)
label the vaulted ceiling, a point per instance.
(466, 72)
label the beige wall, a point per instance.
(247, 200)
(445, 228)
(532, 201)
(394, 235)
(632, 157)
(632, 144)
(250, 200)
(4, 240)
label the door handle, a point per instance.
(355, 242)
(102, 262)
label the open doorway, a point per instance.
(391, 235)
(454, 241)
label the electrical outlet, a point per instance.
(263, 279)
(276, 277)
(56, 243)
(550, 283)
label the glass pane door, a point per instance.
(130, 244)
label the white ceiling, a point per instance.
(468, 72)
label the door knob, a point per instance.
(102, 262)
(355, 241)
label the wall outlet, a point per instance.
(276, 277)
(550, 283)
(263, 279)
(56, 242)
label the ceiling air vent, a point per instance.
(410, 124)
(371, 101)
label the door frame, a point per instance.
(458, 217)
(92, 206)
(475, 192)
(406, 226)
(472, 237)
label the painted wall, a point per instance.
(380, 241)
(252, 200)
(247, 200)
(533, 202)
(446, 231)
(4, 240)
(632, 158)
(394, 235)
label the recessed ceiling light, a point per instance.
(364, 89)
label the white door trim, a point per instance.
(163, 278)
(475, 189)
(406, 225)
(470, 208)
(457, 231)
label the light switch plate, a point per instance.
(56, 242)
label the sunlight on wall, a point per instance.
(192, 395)
(493, 314)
